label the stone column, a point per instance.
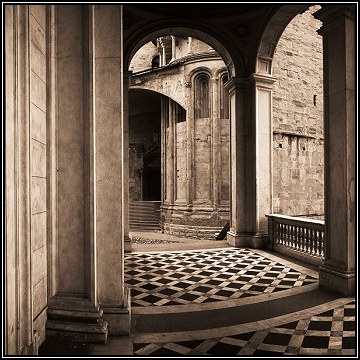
(170, 151)
(250, 160)
(190, 125)
(110, 168)
(216, 143)
(127, 238)
(164, 180)
(240, 100)
(173, 48)
(190, 45)
(262, 158)
(73, 309)
(337, 273)
(18, 204)
(163, 62)
(174, 114)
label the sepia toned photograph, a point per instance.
(179, 179)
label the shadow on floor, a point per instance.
(64, 348)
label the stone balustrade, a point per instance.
(298, 237)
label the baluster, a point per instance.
(293, 235)
(290, 236)
(301, 238)
(311, 241)
(317, 243)
(286, 234)
(322, 243)
(297, 237)
(306, 240)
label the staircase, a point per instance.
(144, 215)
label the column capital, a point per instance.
(331, 14)
(238, 83)
(263, 80)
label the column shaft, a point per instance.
(337, 274)
(126, 80)
(110, 167)
(250, 160)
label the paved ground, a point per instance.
(204, 298)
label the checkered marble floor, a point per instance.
(328, 333)
(188, 277)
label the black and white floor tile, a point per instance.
(181, 278)
(329, 333)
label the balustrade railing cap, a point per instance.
(296, 218)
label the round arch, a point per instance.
(136, 41)
(151, 92)
(272, 33)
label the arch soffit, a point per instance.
(144, 88)
(272, 33)
(135, 42)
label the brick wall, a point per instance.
(298, 174)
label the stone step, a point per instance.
(165, 321)
(144, 215)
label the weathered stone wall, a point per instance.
(224, 193)
(183, 48)
(199, 159)
(170, 82)
(173, 81)
(298, 173)
(202, 161)
(142, 60)
(181, 161)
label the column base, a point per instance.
(75, 319)
(119, 317)
(260, 241)
(32, 349)
(252, 241)
(119, 320)
(127, 244)
(238, 240)
(336, 281)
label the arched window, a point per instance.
(202, 104)
(155, 61)
(224, 97)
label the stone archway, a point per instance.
(133, 45)
(338, 271)
(272, 34)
